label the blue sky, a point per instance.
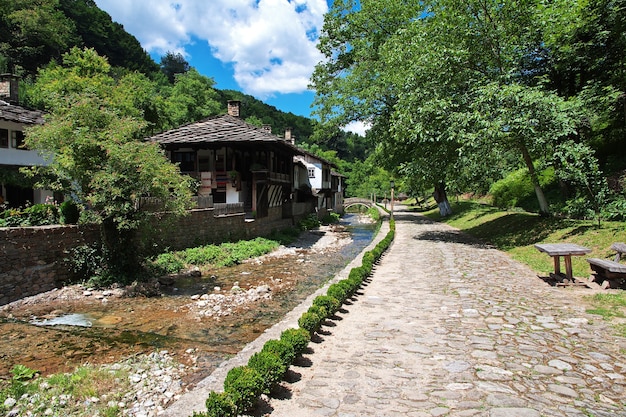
(265, 48)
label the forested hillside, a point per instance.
(35, 32)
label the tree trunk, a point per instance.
(544, 209)
(442, 199)
(123, 258)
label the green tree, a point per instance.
(95, 29)
(32, 33)
(172, 64)
(191, 98)
(91, 139)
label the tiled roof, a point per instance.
(220, 129)
(19, 114)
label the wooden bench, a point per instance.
(608, 269)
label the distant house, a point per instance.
(326, 184)
(237, 163)
(13, 154)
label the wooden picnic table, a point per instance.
(566, 250)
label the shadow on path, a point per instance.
(449, 236)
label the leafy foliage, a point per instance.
(517, 186)
(298, 338)
(92, 131)
(219, 405)
(245, 385)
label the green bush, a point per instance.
(298, 338)
(321, 311)
(310, 322)
(331, 218)
(245, 385)
(284, 350)
(202, 255)
(85, 262)
(270, 366)
(338, 291)
(373, 213)
(357, 275)
(310, 222)
(517, 186)
(331, 304)
(70, 214)
(168, 263)
(368, 260)
(219, 405)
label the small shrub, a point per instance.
(331, 218)
(373, 213)
(70, 214)
(310, 322)
(298, 338)
(368, 260)
(517, 186)
(219, 404)
(245, 385)
(168, 263)
(270, 366)
(284, 350)
(310, 222)
(338, 291)
(331, 304)
(42, 214)
(202, 255)
(85, 262)
(321, 312)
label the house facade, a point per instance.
(13, 155)
(236, 163)
(326, 185)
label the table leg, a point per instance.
(557, 264)
(568, 268)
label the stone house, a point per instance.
(13, 155)
(239, 165)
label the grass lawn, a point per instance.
(515, 232)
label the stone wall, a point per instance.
(32, 258)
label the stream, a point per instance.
(60, 330)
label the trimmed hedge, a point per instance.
(311, 322)
(298, 338)
(270, 366)
(244, 384)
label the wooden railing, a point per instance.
(223, 209)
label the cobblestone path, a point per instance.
(448, 327)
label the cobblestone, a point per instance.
(450, 327)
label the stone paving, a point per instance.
(449, 327)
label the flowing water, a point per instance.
(55, 333)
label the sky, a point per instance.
(265, 48)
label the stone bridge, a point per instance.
(355, 201)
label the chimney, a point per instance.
(233, 107)
(267, 128)
(289, 137)
(9, 88)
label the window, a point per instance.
(4, 138)
(187, 161)
(17, 139)
(311, 172)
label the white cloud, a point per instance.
(359, 128)
(270, 43)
